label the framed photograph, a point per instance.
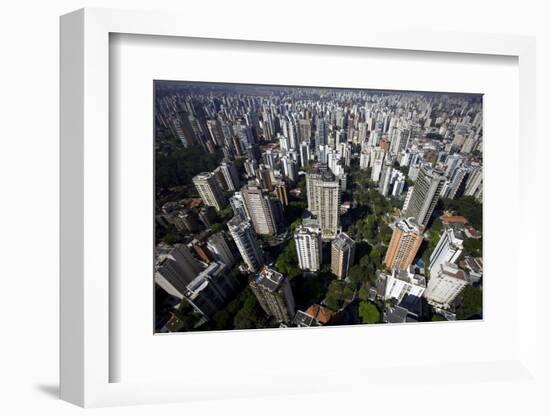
(242, 213)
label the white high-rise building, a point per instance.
(445, 285)
(447, 250)
(384, 185)
(238, 206)
(260, 208)
(209, 190)
(364, 159)
(323, 195)
(407, 198)
(245, 238)
(376, 163)
(401, 283)
(304, 154)
(474, 184)
(309, 245)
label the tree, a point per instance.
(473, 247)
(287, 261)
(472, 302)
(364, 291)
(357, 275)
(369, 312)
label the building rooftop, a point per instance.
(320, 313)
(409, 277)
(203, 176)
(409, 225)
(395, 315)
(343, 241)
(451, 269)
(270, 279)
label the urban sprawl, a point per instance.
(286, 207)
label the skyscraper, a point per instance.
(289, 168)
(404, 244)
(175, 268)
(376, 163)
(209, 190)
(281, 192)
(309, 245)
(445, 285)
(260, 208)
(230, 175)
(323, 196)
(274, 294)
(425, 195)
(304, 154)
(237, 205)
(245, 238)
(342, 255)
(219, 247)
(400, 283)
(448, 249)
(211, 289)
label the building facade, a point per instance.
(209, 190)
(400, 283)
(445, 285)
(243, 234)
(425, 195)
(404, 244)
(260, 209)
(175, 268)
(220, 249)
(448, 249)
(342, 255)
(309, 245)
(274, 294)
(211, 289)
(323, 196)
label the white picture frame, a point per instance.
(85, 163)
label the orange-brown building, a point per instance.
(405, 242)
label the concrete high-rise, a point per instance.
(401, 283)
(219, 247)
(211, 289)
(376, 162)
(230, 175)
(245, 238)
(309, 245)
(425, 195)
(175, 268)
(445, 285)
(323, 196)
(342, 255)
(448, 248)
(209, 190)
(260, 209)
(274, 294)
(405, 242)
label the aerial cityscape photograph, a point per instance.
(293, 206)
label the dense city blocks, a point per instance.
(282, 207)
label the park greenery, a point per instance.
(470, 302)
(369, 313)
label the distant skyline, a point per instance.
(257, 88)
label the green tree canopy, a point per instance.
(369, 312)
